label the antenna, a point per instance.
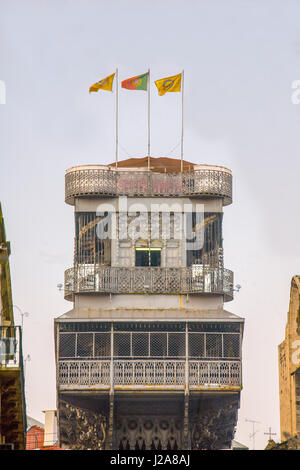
(270, 433)
(252, 436)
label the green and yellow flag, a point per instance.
(104, 84)
(167, 84)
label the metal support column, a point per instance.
(111, 392)
(186, 444)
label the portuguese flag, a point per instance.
(140, 82)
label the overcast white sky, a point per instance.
(240, 58)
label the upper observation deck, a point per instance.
(132, 178)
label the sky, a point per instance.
(240, 59)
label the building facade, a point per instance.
(41, 436)
(289, 369)
(148, 358)
(12, 392)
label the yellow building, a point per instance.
(12, 400)
(289, 368)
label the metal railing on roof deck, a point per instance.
(197, 279)
(92, 182)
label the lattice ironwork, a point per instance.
(159, 344)
(149, 344)
(10, 347)
(214, 373)
(149, 373)
(149, 433)
(118, 280)
(100, 182)
(67, 345)
(84, 345)
(197, 344)
(145, 373)
(231, 345)
(214, 345)
(153, 344)
(83, 374)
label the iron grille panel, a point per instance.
(231, 345)
(158, 344)
(213, 345)
(176, 344)
(84, 374)
(210, 182)
(153, 280)
(67, 345)
(102, 345)
(140, 344)
(196, 344)
(122, 344)
(85, 345)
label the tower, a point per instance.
(148, 358)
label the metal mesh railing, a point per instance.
(83, 373)
(149, 373)
(151, 280)
(10, 347)
(216, 373)
(100, 182)
(146, 354)
(97, 374)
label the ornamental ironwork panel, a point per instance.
(85, 374)
(149, 373)
(99, 182)
(152, 280)
(149, 432)
(218, 373)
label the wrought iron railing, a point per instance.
(10, 347)
(11, 357)
(145, 374)
(93, 181)
(197, 279)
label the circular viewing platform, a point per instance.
(87, 278)
(204, 181)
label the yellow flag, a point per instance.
(168, 84)
(104, 84)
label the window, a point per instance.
(147, 257)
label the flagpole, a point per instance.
(117, 116)
(182, 110)
(148, 119)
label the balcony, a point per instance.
(149, 375)
(12, 389)
(205, 181)
(10, 348)
(197, 279)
